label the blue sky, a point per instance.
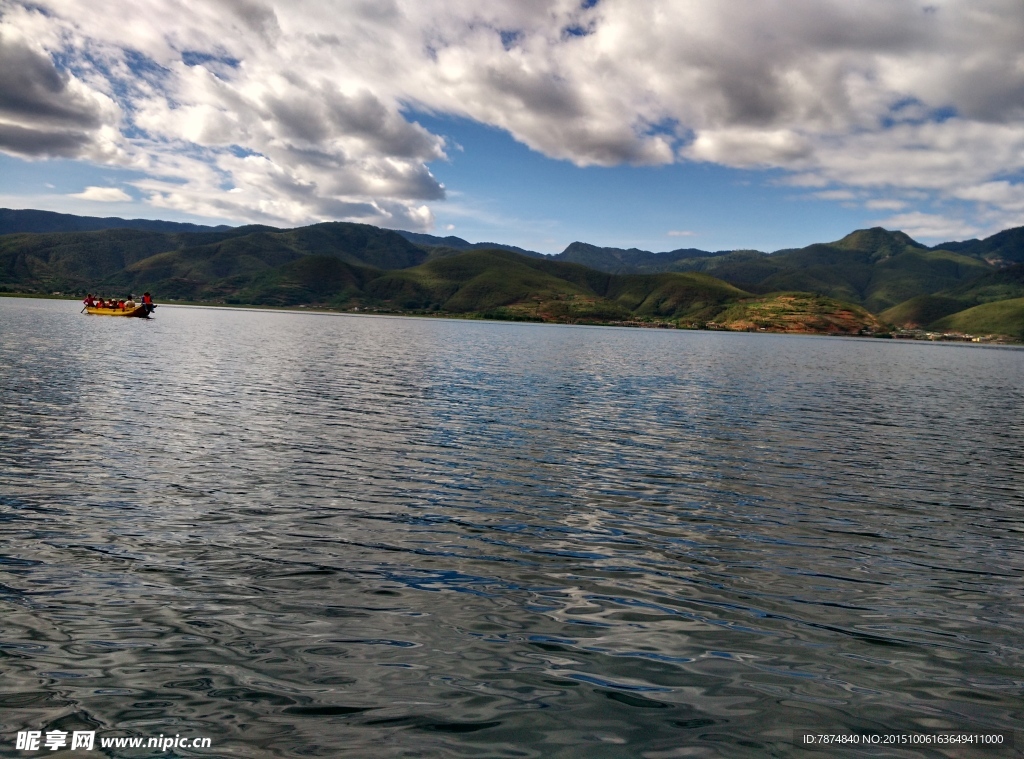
(501, 191)
(674, 123)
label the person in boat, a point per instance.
(90, 302)
(129, 304)
(120, 305)
(147, 302)
(100, 303)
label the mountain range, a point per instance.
(861, 283)
(29, 220)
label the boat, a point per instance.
(139, 311)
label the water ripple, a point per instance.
(307, 535)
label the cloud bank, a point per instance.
(299, 111)
(102, 195)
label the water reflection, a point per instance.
(315, 535)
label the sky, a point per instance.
(664, 124)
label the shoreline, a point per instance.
(896, 334)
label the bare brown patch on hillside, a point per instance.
(799, 313)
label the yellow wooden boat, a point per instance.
(139, 311)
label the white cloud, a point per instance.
(45, 110)
(303, 107)
(1003, 194)
(836, 195)
(885, 204)
(103, 195)
(749, 147)
(680, 233)
(930, 226)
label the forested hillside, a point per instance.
(861, 283)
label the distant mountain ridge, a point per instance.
(190, 265)
(628, 260)
(875, 268)
(867, 274)
(457, 243)
(13, 221)
(1001, 248)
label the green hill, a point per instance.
(878, 242)
(347, 265)
(822, 287)
(924, 310)
(1004, 317)
(997, 285)
(82, 260)
(244, 263)
(316, 280)
(627, 261)
(1002, 248)
(501, 283)
(690, 296)
(14, 221)
(457, 243)
(196, 272)
(357, 244)
(477, 281)
(186, 265)
(875, 268)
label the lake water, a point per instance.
(319, 535)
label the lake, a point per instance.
(305, 534)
